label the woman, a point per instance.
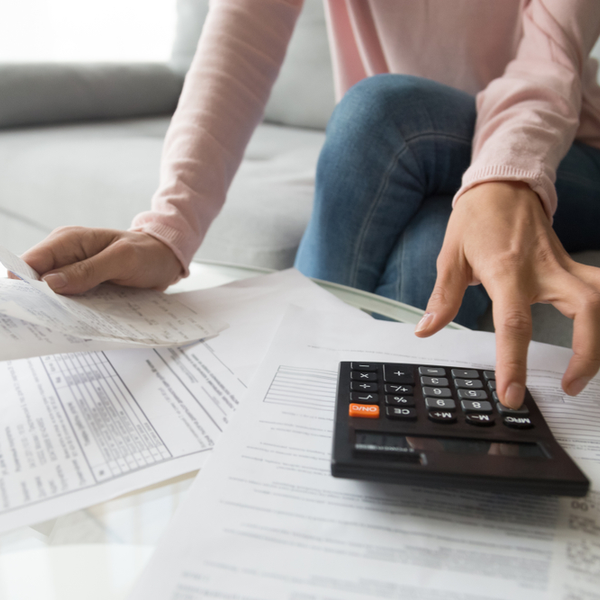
(407, 141)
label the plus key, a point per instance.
(395, 373)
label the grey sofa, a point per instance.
(81, 144)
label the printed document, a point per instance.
(265, 520)
(79, 428)
(107, 313)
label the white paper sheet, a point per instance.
(265, 519)
(80, 428)
(107, 313)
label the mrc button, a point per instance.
(518, 422)
(364, 411)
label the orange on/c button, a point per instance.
(366, 411)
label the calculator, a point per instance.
(444, 426)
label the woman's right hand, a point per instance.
(73, 260)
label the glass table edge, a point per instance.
(366, 301)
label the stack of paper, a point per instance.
(80, 428)
(109, 313)
(265, 519)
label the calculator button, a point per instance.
(441, 416)
(401, 390)
(492, 385)
(480, 420)
(364, 411)
(471, 384)
(358, 376)
(472, 395)
(360, 398)
(505, 411)
(432, 371)
(470, 406)
(441, 381)
(465, 373)
(489, 375)
(518, 422)
(407, 414)
(356, 386)
(446, 403)
(437, 392)
(399, 400)
(398, 388)
(398, 374)
(363, 366)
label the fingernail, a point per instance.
(577, 386)
(514, 396)
(424, 322)
(56, 281)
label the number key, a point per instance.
(475, 406)
(437, 381)
(446, 403)
(437, 392)
(472, 384)
(472, 394)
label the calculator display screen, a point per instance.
(395, 443)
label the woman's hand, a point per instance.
(499, 235)
(73, 260)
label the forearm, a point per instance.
(527, 119)
(238, 59)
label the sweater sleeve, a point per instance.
(527, 119)
(240, 52)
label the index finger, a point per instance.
(512, 322)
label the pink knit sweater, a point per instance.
(527, 61)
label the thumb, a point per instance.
(81, 276)
(445, 299)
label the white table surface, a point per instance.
(97, 553)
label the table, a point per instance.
(97, 553)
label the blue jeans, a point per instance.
(393, 158)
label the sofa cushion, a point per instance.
(102, 174)
(270, 200)
(303, 95)
(32, 94)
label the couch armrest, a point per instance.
(35, 94)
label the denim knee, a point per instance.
(381, 115)
(364, 133)
(402, 102)
(366, 109)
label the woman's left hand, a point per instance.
(499, 235)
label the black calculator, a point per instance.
(444, 426)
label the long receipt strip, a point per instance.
(83, 427)
(108, 313)
(264, 520)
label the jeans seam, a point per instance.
(361, 237)
(400, 279)
(435, 134)
(383, 188)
